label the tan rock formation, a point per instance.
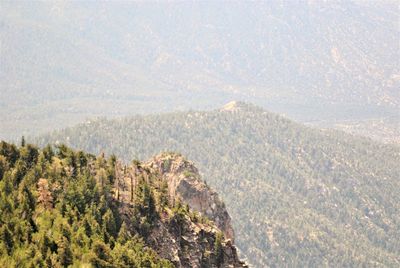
(185, 183)
(187, 241)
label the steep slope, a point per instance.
(184, 182)
(63, 207)
(118, 58)
(297, 195)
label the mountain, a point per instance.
(298, 196)
(65, 208)
(334, 62)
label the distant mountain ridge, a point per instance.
(311, 60)
(298, 196)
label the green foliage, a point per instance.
(9, 151)
(163, 194)
(6, 239)
(144, 200)
(218, 249)
(188, 174)
(301, 196)
(55, 213)
(3, 166)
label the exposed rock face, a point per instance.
(186, 243)
(233, 106)
(184, 182)
(236, 106)
(180, 238)
(192, 245)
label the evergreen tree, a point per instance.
(6, 238)
(124, 234)
(64, 252)
(218, 251)
(3, 166)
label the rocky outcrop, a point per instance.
(185, 183)
(240, 106)
(192, 244)
(185, 237)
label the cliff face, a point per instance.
(186, 239)
(188, 243)
(185, 183)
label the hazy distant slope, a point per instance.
(297, 195)
(64, 61)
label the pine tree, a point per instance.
(109, 223)
(3, 166)
(144, 200)
(65, 256)
(6, 237)
(10, 152)
(218, 250)
(164, 194)
(124, 234)
(48, 153)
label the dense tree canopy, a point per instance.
(56, 213)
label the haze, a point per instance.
(332, 64)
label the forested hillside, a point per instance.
(66, 208)
(298, 196)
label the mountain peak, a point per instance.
(237, 106)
